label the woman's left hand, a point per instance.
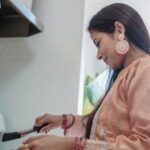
(47, 142)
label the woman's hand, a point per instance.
(47, 142)
(53, 121)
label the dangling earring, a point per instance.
(122, 46)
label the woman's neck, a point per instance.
(133, 54)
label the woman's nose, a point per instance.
(99, 56)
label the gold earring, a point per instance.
(122, 46)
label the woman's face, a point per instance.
(106, 44)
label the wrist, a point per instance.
(67, 121)
(59, 120)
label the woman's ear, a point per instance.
(119, 27)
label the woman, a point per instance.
(122, 120)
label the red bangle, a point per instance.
(68, 121)
(72, 122)
(79, 143)
(64, 122)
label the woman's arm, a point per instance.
(78, 128)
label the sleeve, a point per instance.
(138, 99)
(78, 128)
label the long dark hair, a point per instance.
(135, 32)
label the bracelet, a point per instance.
(79, 143)
(68, 121)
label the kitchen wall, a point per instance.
(40, 74)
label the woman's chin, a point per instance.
(112, 66)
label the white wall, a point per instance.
(40, 74)
(28, 3)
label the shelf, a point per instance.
(17, 20)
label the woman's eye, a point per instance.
(97, 44)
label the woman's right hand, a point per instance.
(52, 121)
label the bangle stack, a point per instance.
(68, 121)
(79, 143)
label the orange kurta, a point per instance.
(123, 120)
